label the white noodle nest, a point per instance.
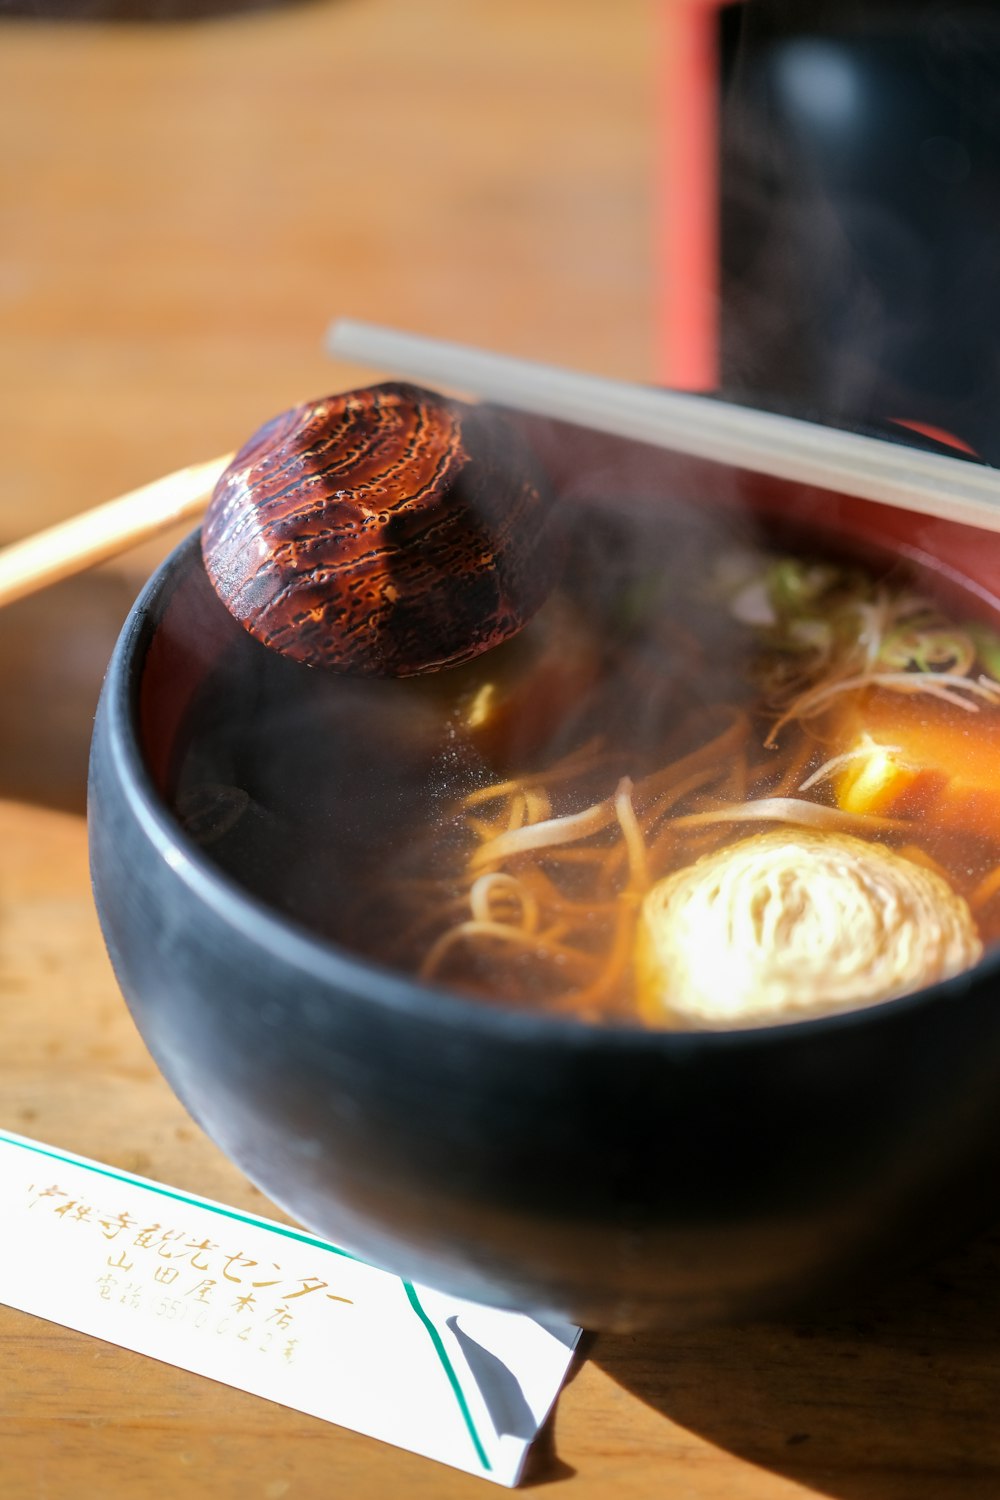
(795, 923)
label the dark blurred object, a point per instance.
(860, 213)
(50, 677)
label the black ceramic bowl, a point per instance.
(612, 1176)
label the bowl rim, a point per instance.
(287, 941)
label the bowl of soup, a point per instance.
(639, 971)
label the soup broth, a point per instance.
(715, 782)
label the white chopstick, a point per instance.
(698, 426)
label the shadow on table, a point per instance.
(896, 1401)
(544, 1466)
(54, 647)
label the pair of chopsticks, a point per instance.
(697, 426)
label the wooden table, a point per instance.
(186, 205)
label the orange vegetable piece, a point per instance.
(926, 759)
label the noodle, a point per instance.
(789, 810)
(564, 830)
(607, 887)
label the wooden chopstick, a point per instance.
(699, 426)
(95, 535)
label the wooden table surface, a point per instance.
(185, 206)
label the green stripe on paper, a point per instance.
(179, 1197)
(449, 1370)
